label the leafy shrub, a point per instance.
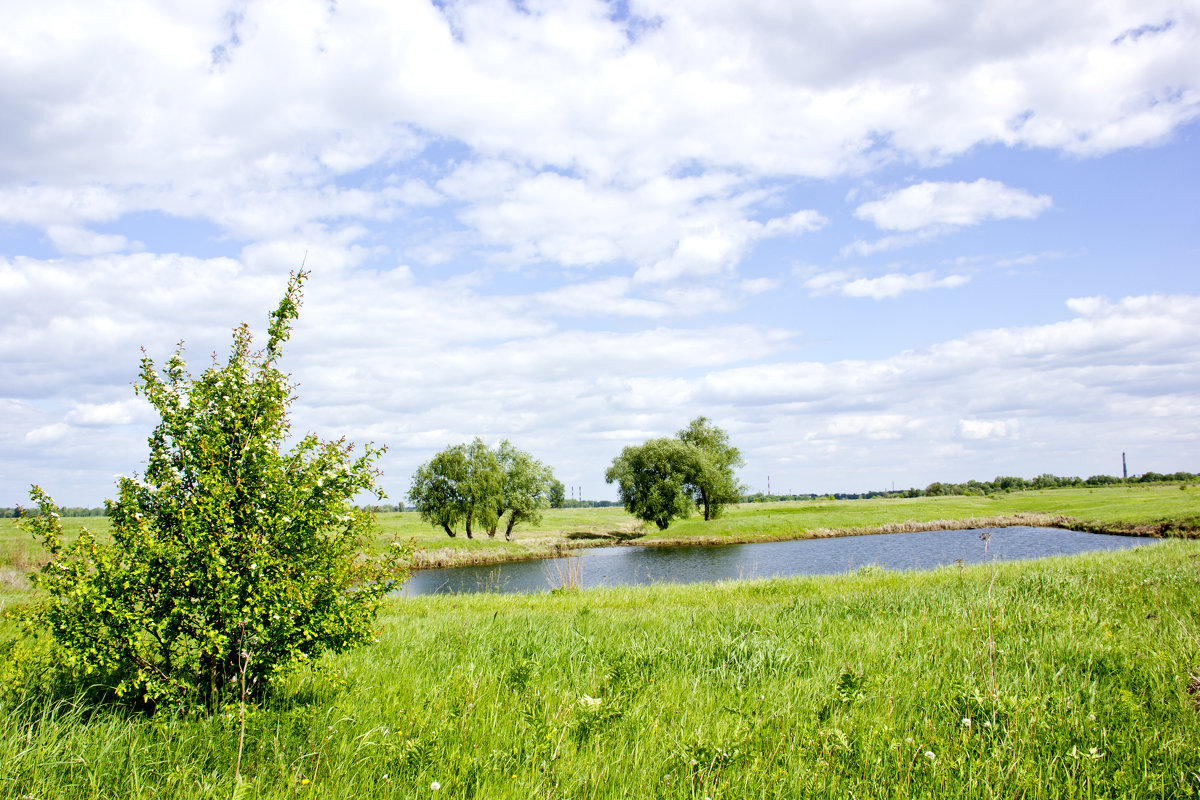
(232, 562)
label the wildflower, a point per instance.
(908, 739)
(966, 722)
(987, 723)
(929, 754)
(590, 703)
(304, 782)
(435, 786)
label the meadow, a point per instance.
(1147, 509)
(1064, 677)
(1140, 509)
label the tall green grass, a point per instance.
(1064, 677)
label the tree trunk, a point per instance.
(449, 532)
(704, 501)
(512, 523)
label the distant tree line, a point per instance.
(381, 508)
(1002, 483)
(63, 511)
(1008, 483)
(568, 503)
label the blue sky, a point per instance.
(879, 243)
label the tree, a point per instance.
(471, 483)
(664, 479)
(709, 470)
(435, 489)
(232, 562)
(480, 485)
(651, 480)
(526, 487)
(558, 493)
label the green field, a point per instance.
(1113, 508)
(1121, 508)
(1068, 677)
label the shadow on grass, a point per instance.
(611, 536)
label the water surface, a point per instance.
(615, 566)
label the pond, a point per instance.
(616, 566)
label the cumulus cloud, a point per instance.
(930, 209)
(951, 204)
(534, 219)
(189, 109)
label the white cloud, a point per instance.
(951, 204)
(162, 107)
(47, 433)
(863, 249)
(78, 241)
(120, 412)
(607, 297)
(760, 285)
(894, 284)
(986, 429)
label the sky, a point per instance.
(879, 242)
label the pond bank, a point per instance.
(558, 546)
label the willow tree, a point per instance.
(473, 484)
(665, 479)
(709, 466)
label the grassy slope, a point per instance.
(830, 686)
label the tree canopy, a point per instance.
(651, 480)
(709, 469)
(473, 483)
(665, 479)
(231, 561)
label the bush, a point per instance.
(232, 562)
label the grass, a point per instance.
(1138, 509)
(871, 684)
(1144, 509)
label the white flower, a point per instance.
(435, 786)
(590, 703)
(929, 754)
(966, 722)
(987, 723)
(908, 739)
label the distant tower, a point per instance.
(1124, 469)
(768, 484)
